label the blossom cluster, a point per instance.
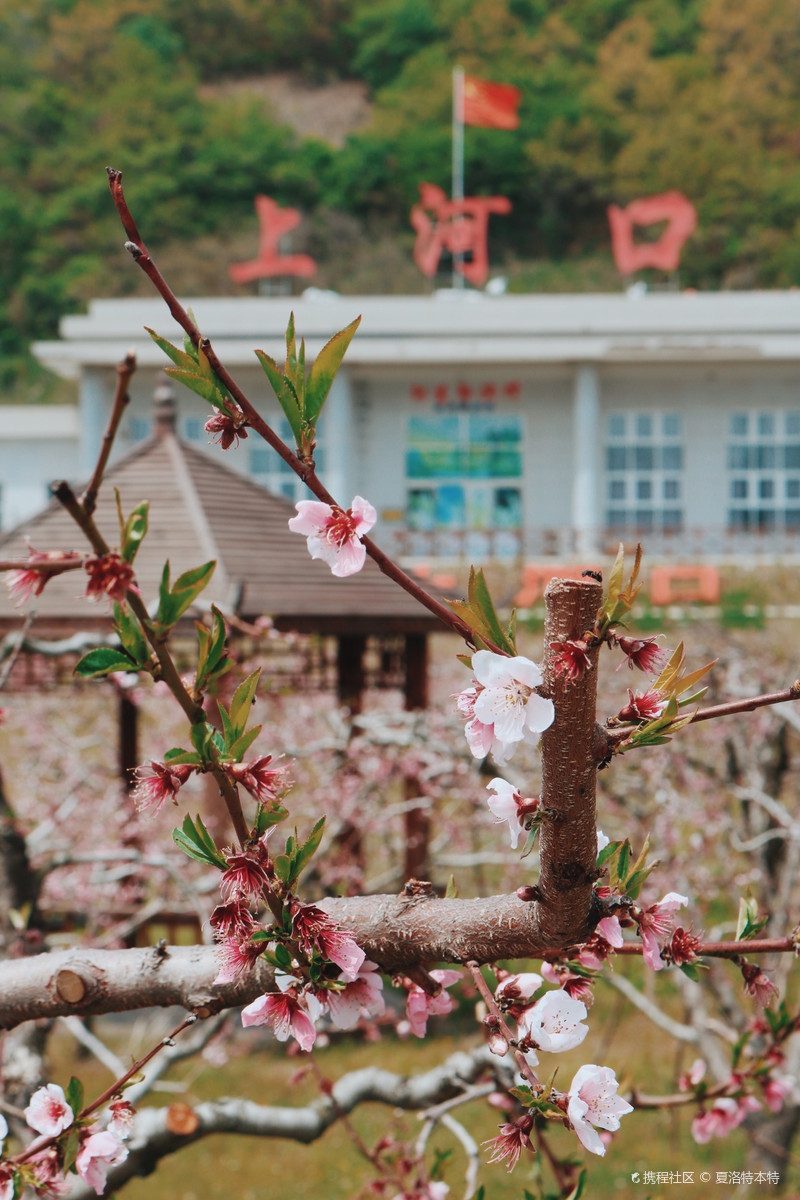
(50, 1115)
(503, 707)
(157, 781)
(334, 534)
(553, 1021)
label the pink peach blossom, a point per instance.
(420, 1006)
(48, 1111)
(593, 1101)
(334, 534)
(98, 1152)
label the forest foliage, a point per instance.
(620, 98)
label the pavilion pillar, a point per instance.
(350, 671)
(416, 682)
(128, 738)
(417, 820)
(586, 457)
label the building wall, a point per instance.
(655, 416)
(38, 445)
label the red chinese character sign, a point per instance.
(665, 253)
(460, 227)
(273, 223)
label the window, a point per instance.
(139, 428)
(464, 471)
(644, 471)
(764, 470)
(193, 429)
(269, 469)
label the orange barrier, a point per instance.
(681, 585)
(535, 578)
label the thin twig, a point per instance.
(41, 1143)
(125, 371)
(256, 422)
(8, 665)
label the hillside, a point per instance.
(341, 107)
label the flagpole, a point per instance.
(457, 188)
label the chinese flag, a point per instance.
(491, 105)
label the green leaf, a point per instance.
(179, 357)
(267, 817)
(174, 601)
(195, 841)
(239, 748)
(285, 393)
(130, 635)
(202, 735)
(608, 852)
(283, 867)
(103, 661)
(303, 854)
(242, 702)
(74, 1095)
(134, 530)
(614, 588)
(451, 891)
(69, 1145)
(530, 841)
(211, 659)
(478, 612)
(481, 600)
(749, 923)
(283, 956)
(209, 389)
(623, 860)
(323, 370)
(176, 756)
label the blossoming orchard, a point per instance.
(586, 910)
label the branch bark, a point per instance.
(568, 851)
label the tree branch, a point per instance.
(151, 1139)
(397, 932)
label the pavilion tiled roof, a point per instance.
(200, 509)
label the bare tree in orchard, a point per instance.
(301, 967)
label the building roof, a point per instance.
(200, 510)
(451, 327)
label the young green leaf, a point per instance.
(73, 1094)
(323, 370)
(267, 817)
(195, 841)
(134, 530)
(285, 393)
(303, 854)
(177, 755)
(130, 635)
(174, 601)
(209, 389)
(179, 357)
(103, 661)
(242, 702)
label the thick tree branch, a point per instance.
(397, 932)
(568, 852)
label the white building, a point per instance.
(488, 426)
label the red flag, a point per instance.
(491, 105)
